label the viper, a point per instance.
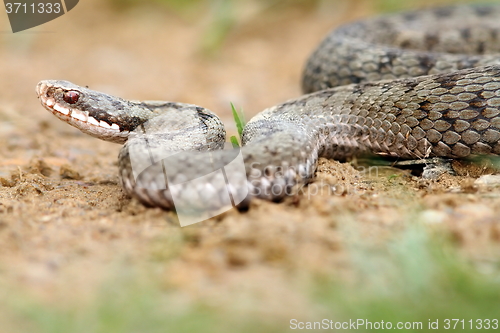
(412, 85)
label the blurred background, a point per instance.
(78, 256)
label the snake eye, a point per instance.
(71, 97)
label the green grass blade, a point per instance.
(234, 142)
(239, 119)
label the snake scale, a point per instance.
(416, 84)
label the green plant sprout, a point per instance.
(239, 119)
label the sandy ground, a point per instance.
(64, 219)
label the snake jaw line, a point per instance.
(63, 110)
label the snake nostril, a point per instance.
(71, 97)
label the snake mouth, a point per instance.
(45, 92)
(54, 98)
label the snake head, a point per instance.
(97, 114)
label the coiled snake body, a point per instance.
(411, 85)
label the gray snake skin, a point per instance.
(411, 85)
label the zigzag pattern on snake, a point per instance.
(411, 85)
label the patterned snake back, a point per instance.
(439, 96)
